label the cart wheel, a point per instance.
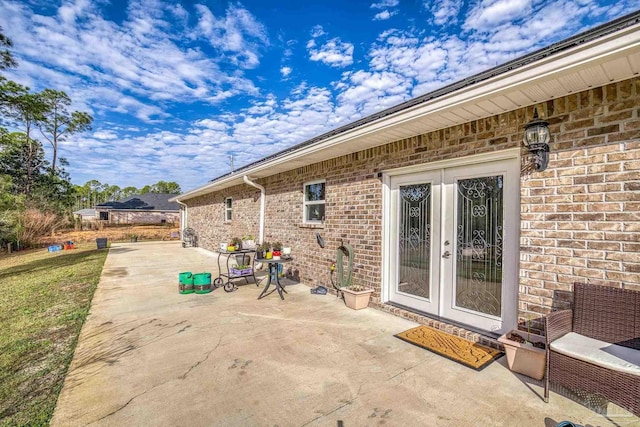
(217, 282)
(229, 287)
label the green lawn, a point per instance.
(44, 300)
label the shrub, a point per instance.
(33, 224)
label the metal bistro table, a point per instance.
(273, 275)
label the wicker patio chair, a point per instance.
(602, 313)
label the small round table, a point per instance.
(273, 275)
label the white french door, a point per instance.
(453, 242)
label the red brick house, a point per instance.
(451, 223)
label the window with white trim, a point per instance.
(228, 209)
(314, 202)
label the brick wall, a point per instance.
(580, 218)
(206, 215)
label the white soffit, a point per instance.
(611, 58)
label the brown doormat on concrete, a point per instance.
(458, 349)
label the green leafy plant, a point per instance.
(277, 246)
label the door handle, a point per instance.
(446, 254)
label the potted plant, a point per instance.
(356, 296)
(526, 353)
(241, 270)
(237, 243)
(277, 250)
(286, 251)
(134, 238)
(260, 250)
(248, 242)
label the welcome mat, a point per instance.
(458, 349)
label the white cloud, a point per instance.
(489, 13)
(384, 4)
(285, 71)
(105, 134)
(237, 33)
(384, 15)
(82, 53)
(334, 52)
(444, 11)
(317, 31)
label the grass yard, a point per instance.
(44, 300)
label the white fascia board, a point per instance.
(556, 64)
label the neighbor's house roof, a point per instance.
(606, 54)
(143, 202)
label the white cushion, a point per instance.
(600, 353)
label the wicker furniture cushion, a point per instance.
(610, 356)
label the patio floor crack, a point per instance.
(195, 365)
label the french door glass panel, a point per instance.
(479, 228)
(414, 239)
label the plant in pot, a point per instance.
(286, 251)
(267, 250)
(134, 238)
(260, 250)
(241, 270)
(277, 250)
(526, 353)
(237, 243)
(248, 242)
(356, 296)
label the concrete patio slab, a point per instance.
(148, 355)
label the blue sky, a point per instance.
(175, 88)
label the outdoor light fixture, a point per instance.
(536, 139)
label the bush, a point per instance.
(33, 224)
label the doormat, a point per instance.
(458, 349)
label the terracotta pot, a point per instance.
(524, 358)
(356, 300)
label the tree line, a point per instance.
(35, 190)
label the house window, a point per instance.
(228, 209)
(104, 216)
(314, 202)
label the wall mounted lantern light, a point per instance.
(536, 139)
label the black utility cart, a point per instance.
(242, 257)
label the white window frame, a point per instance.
(306, 203)
(228, 209)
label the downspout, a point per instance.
(184, 217)
(262, 197)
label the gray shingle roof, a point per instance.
(147, 202)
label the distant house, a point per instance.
(149, 208)
(85, 214)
